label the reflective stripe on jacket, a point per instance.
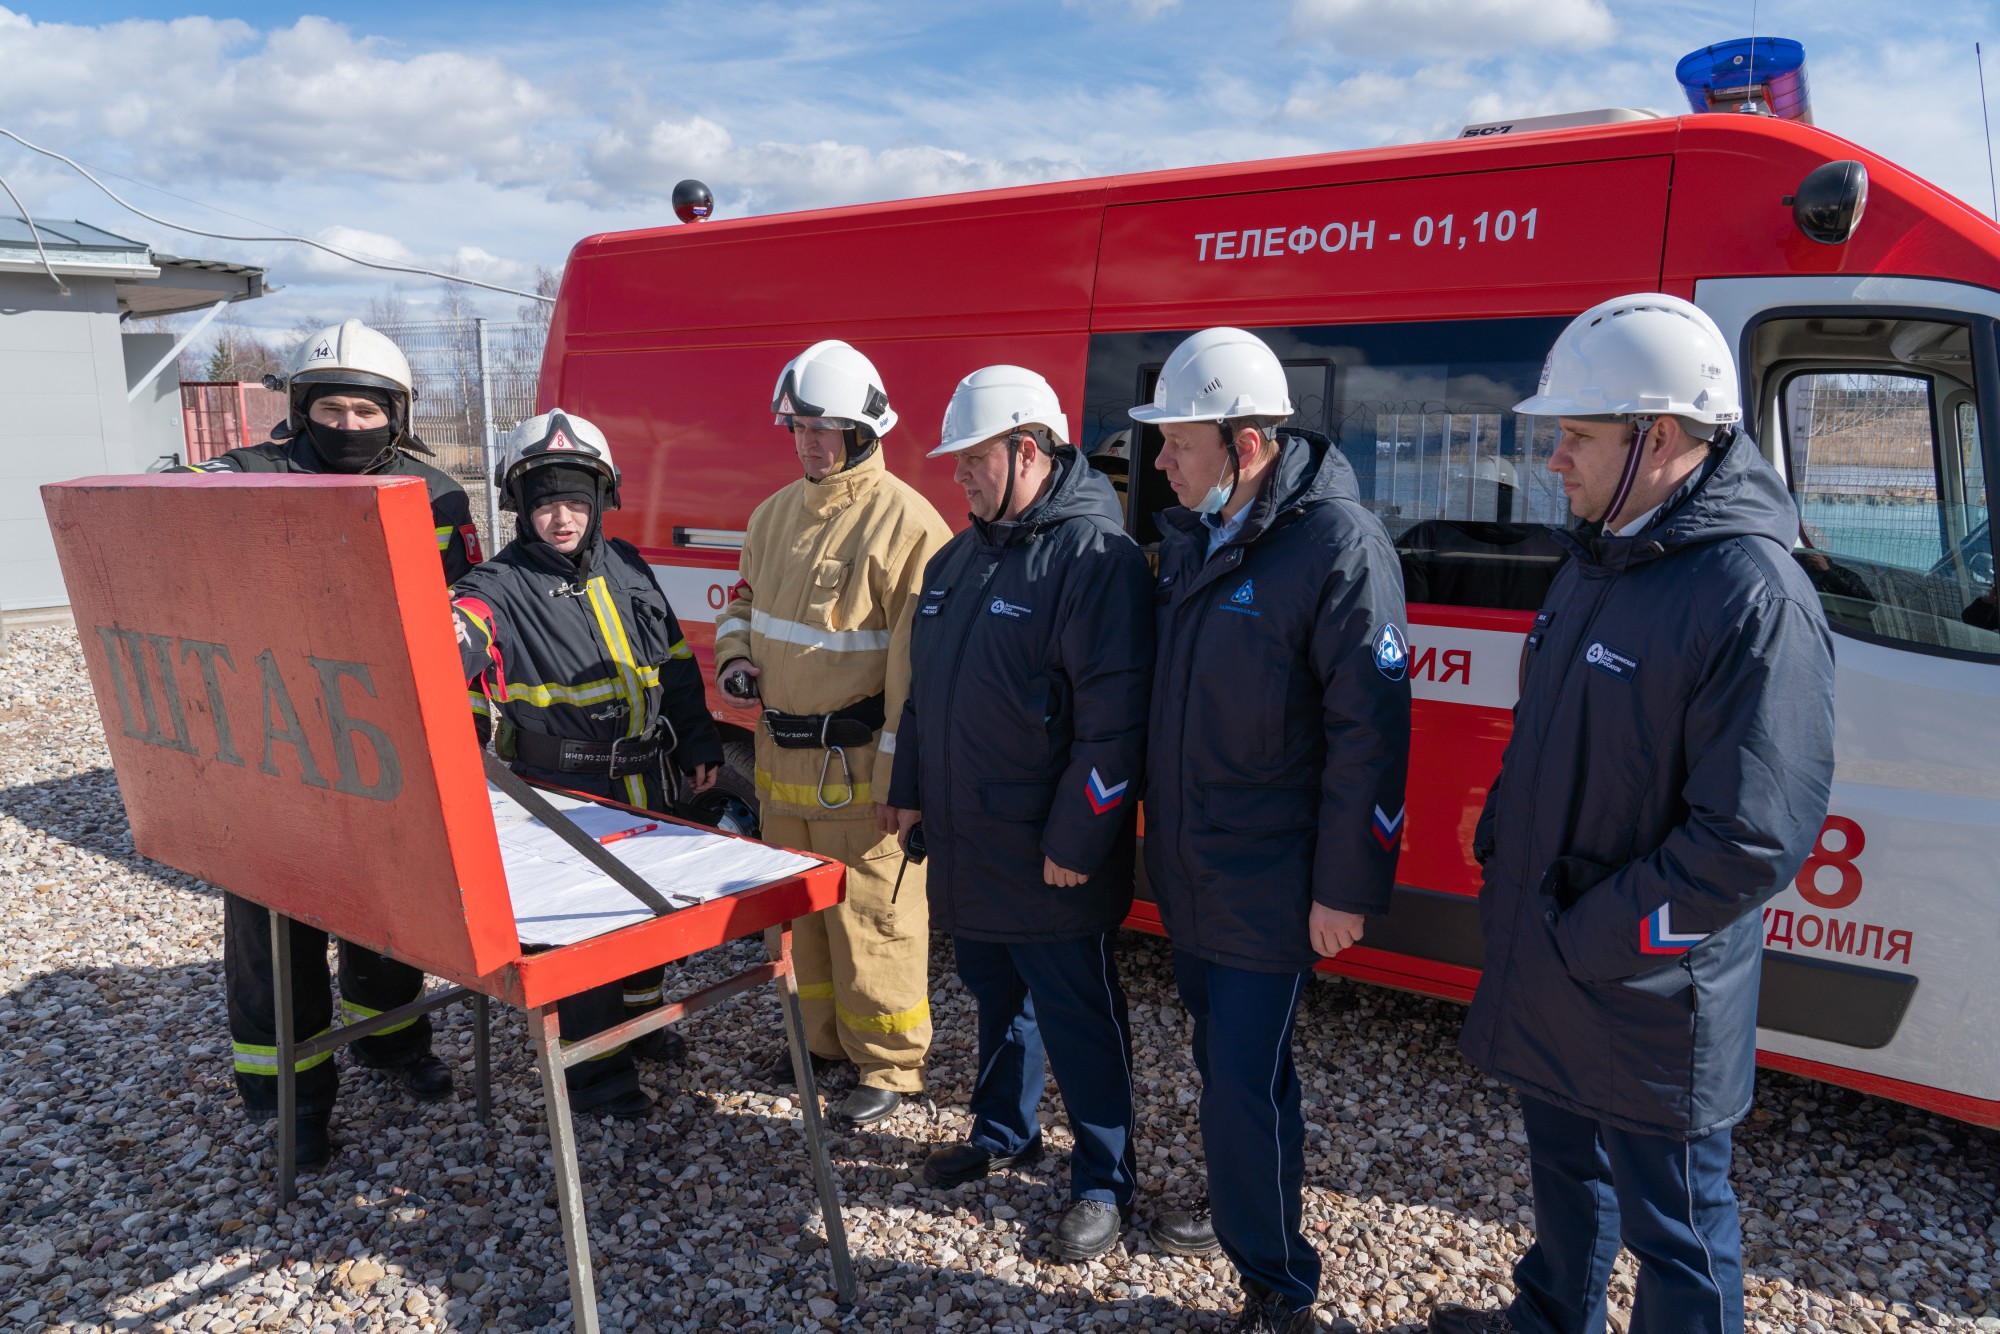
(1668, 773)
(1280, 732)
(1025, 729)
(831, 572)
(451, 512)
(590, 657)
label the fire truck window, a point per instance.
(1886, 467)
(1422, 412)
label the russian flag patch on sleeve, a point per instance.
(1388, 828)
(1657, 934)
(1103, 798)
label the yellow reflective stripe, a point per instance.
(900, 1022)
(590, 692)
(603, 1055)
(680, 650)
(352, 1011)
(621, 652)
(444, 538)
(252, 1059)
(650, 996)
(635, 790)
(815, 991)
(479, 704)
(805, 794)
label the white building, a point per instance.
(79, 395)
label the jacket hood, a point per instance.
(1077, 490)
(1310, 469)
(1735, 493)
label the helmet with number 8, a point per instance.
(555, 437)
(1644, 355)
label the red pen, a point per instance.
(627, 833)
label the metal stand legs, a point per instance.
(291, 1051)
(779, 941)
(546, 1033)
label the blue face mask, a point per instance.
(1219, 494)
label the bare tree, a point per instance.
(547, 282)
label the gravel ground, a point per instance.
(133, 1195)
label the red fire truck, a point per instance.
(1412, 294)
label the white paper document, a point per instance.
(560, 898)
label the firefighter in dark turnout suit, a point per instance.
(580, 674)
(1024, 728)
(1275, 761)
(1668, 773)
(350, 393)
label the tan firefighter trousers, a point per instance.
(864, 964)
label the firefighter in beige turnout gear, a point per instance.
(820, 630)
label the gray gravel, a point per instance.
(133, 1195)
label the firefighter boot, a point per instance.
(956, 1164)
(867, 1105)
(662, 1046)
(779, 1071)
(422, 1074)
(312, 1140)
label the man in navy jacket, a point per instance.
(1668, 773)
(1022, 735)
(1276, 755)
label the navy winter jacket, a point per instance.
(1280, 731)
(1030, 656)
(1668, 773)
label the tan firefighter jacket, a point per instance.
(832, 571)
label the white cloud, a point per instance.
(1145, 10)
(1470, 27)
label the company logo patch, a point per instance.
(1245, 595)
(1657, 934)
(1389, 828)
(1104, 798)
(1392, 654)
(1013, 610)
(1609, 660)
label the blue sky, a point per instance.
(490, 137)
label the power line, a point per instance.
(337, 253)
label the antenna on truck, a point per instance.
(1986, 119)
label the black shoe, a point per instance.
(1185, 1232)
(1088, 1229)
(1266, 1312)
(312, 1143)
(632, 1105)
(956, 1164)
(662, 1045)
(779, 1071)
(867, 1105)
(422, 1074)
(1451, 1318)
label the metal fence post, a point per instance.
(491, 439)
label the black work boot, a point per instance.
(1185, 1231)
(1088, 1229)
(1451, 1318)
(312, 1142)
(779, 1071)
(867, 1105)
(1266, 1312)
(422, 1075)
(956, 1164)
(662, 1046)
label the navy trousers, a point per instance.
(1667, 1200)
(1061, 1000)
(1251, 1132)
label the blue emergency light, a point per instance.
(1764, 73)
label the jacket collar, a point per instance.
(841, 489)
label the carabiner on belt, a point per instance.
(846, 779)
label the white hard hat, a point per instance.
(831, 379)
(1645, 355)
(1217, 375)
(554, 437)
(349, 353)
(995, 399)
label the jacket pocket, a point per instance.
(1257, 808)
(1570, 878)
(823, 598)
(1023, 803)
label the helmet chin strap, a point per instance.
(1641, 428)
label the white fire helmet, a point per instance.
(1644, 355)
(555, 437)
(349, 353)
(995, 399)
(1219, 375)
(831, 379)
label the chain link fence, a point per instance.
(475, 380)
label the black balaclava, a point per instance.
(559, 481)
(352, 451)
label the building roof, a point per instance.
(148, 284)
